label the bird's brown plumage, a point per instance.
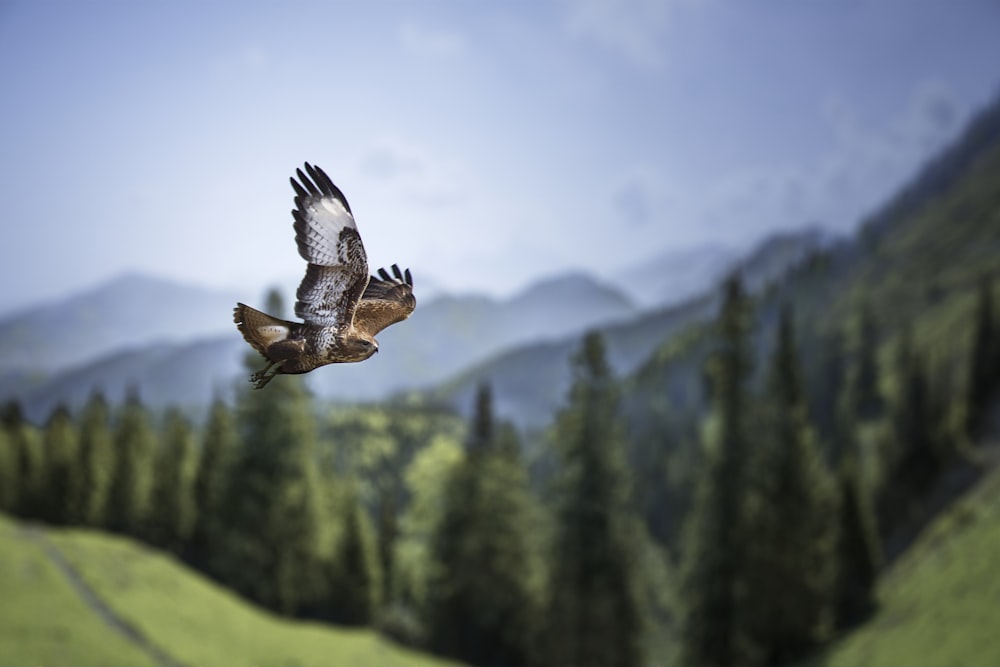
(342, 306)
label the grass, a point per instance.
(43, 622)
(189, 617)
(940, 603)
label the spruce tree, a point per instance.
(172, 508)
(984, 360)
(864, 383)
(269, 547)
(8, 472)
(219, 445)
(480, 606)
(97, 463)
(29, 457)
(62, 478)
(712, 573)
(593, 611)
(131, 480)
(858, 554)
(790, 523)
(352, 592)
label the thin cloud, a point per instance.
(422, 40)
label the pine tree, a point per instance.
(8, 472)
(858, 554)
(479, 602)
(28, 454)
(864, 391)
(131, 480)
(593, 610)
(269, 547)
(97, 463)
(712, 571)
(172, 507)
(219, 445)
(791, 523)
(984, 360)
(353, 586)
(62, 479)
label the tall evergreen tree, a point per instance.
(219, 446)
(712, 572)
(858, 555)
(593, 611)
(97, 463)
(353, 585)
(864, 383)
(8, 472)
(62, 478)
(480, 605)
(172, 508)
(131, 480)
(984, 361)
(269, 547)
(791, 523)
(29, 457)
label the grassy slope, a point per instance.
(192, 619)
(940, 603)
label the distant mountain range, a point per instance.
(177, 344)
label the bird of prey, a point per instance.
(341, 305)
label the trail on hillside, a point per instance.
(95, 603)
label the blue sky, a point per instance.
(483, 144)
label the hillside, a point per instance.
(76, 597)
(939, 601)
(530, 381)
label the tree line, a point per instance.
(448, 538)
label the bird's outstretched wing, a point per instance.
(328, 239)
(387, 300)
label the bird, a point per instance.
(342, 306)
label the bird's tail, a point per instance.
(260, 329)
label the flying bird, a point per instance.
(342, 306)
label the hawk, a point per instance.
(342, 306)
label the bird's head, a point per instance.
(360, 346)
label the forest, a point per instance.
(733, 502)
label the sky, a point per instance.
(483, 144)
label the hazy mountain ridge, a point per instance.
(132, 309)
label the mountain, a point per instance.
(440, 338)
(132, 309)
(530, 382)
(676, 275)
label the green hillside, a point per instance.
(78, 597)
(939, 601)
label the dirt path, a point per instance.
(95, 603)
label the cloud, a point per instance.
(633, 28)
(429, 42)
(415, 173)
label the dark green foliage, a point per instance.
(219, 445)
(97, 463)
(593, 615)
(984, 360)
(480, 605)
(790, 523)
(131, 480)
(858, 556)
(62, 474)
(8, 472)
(353, 586)
(28, 456)
(712, 572)
(172, 509)
(268, 546)
(864, 391)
